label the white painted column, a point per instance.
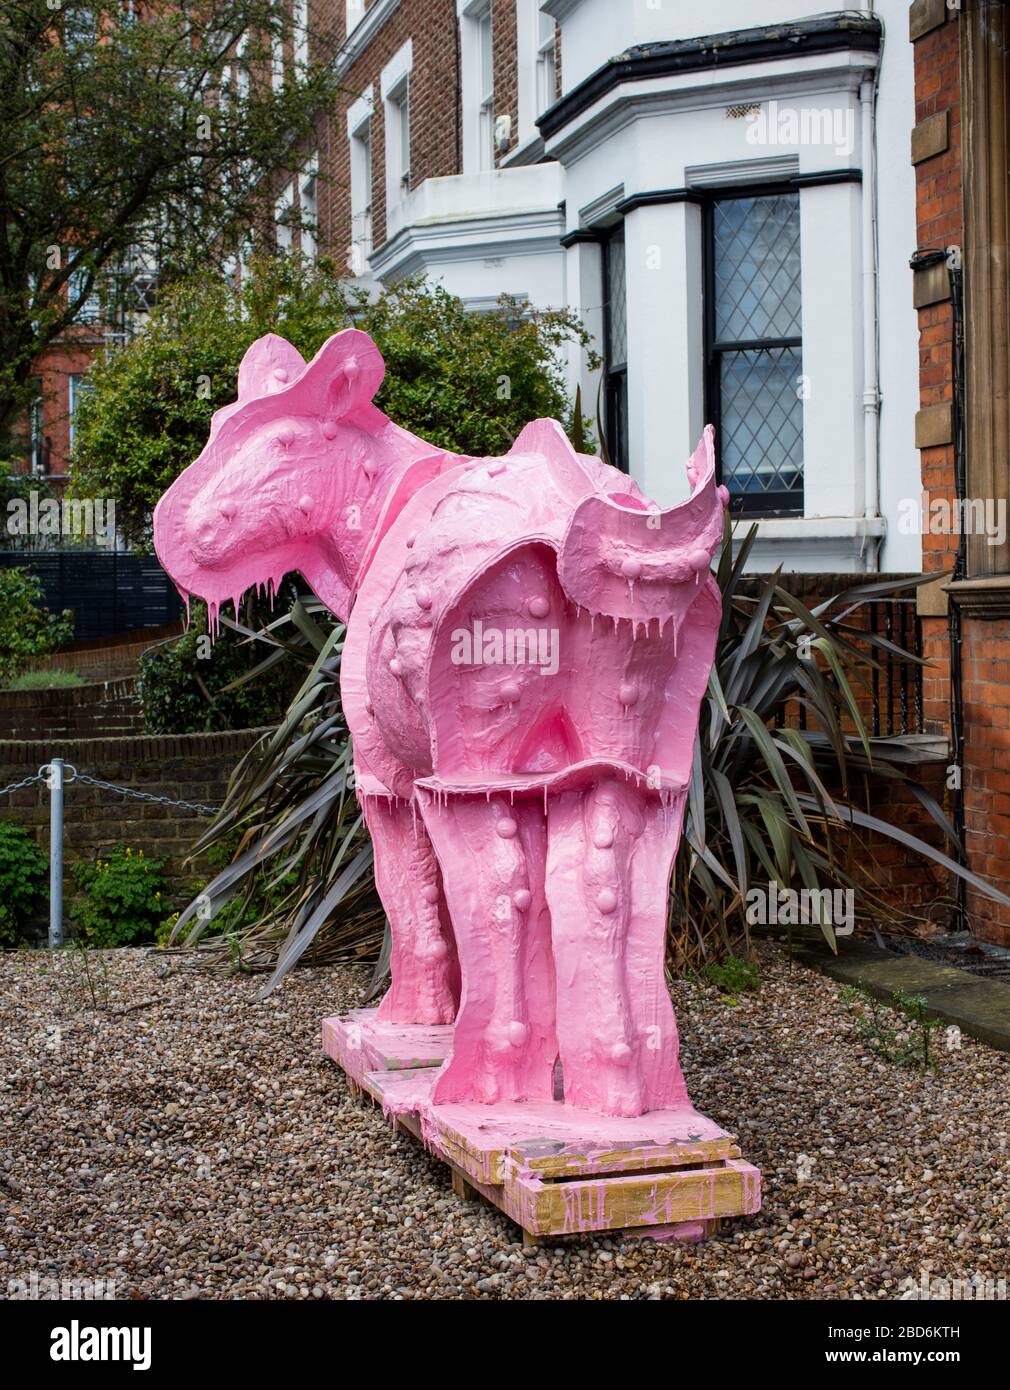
(833, 466)
(665, 345)
(584, 296)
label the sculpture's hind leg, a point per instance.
(493, 857)
(610, 852)
(424, 969)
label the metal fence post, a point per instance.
(56, 853)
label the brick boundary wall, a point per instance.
(97, 709)
(187, 767)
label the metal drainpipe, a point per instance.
(871, 381)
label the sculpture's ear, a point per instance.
(336, 386)
(624, 559)
(353, 369)
(270, 364)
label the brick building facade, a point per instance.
(962, 293)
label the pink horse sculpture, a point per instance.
(528, 643)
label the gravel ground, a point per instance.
(184, 1141)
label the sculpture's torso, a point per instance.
(521, 685)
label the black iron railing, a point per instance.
(896, 688)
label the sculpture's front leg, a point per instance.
(610, 852)
(492, 856)
(424, 969)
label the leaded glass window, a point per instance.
(615, 335)
(755, 349)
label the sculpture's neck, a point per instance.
(395, 467)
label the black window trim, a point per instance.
(746, 504)
(704, 196)
(615, 375)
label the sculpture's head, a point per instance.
(293, 476)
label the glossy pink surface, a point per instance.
(527, 647)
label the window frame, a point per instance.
(354, 13)
(277, 66)
(745, 504)
(546, 48)
(308, 186)
(300, 37)
(400, 98)
(76, 389)
(284, 203)
(485, 95)
(615, 375)
(360, 136)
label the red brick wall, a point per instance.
(985, 654)
(985, 645)
(504, 41)
(186, 767)
(434, 114)
(939, 224)
(73, 354)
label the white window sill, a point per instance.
(805, 528)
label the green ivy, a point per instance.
(24, 873)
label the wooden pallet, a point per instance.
(551, 1168)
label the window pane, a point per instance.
(404, 135)
(762, 425)
(615, 349)
(617, 303)
(757, 268)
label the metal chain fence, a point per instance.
(56, 775)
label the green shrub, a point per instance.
(463, 381)
(182, 682)
(27, 628)
(24, 873)
(122, 898)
